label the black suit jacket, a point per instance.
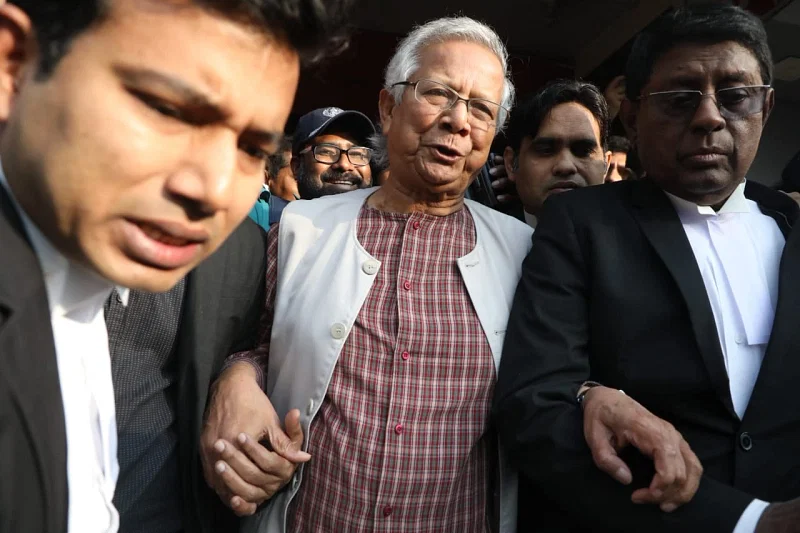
(611, 292)
(223, 303)
(33, 450)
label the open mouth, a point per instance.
(446, 151)
(164, 245)
(156, 234)
(344, 182)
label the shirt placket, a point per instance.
(102, 465)
(399, 430)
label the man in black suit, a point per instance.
(681, 290)
(134, 139)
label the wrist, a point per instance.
(779, 517)
(590, 389)
(240, 370)
(583, 391)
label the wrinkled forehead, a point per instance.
(695, 65)
(464, 66)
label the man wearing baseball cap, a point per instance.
(330, 153)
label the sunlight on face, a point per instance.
(440, 153)
(148, 141)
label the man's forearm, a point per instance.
(549, 447)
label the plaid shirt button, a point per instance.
(405, 356)
(368, 397)
(415, 225)
(407, 285)
(399, 429)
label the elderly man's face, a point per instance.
(701, 156)
(146, 146)
(316, 178)
(439, 153)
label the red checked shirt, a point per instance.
(401, 442)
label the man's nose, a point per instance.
(456, 119)
(707, 117)
(344, 163)
(205, 178)
(565, 165)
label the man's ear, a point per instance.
(508, 161)
(16, 51)
(386, 104)
(295, 164)
(628, 114)
(769, 104)
(608, 166)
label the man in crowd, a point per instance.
(556, 141)
(260, 212)
(134, 139)
(681, 290)
(380, 158)
(281, 184)
(280, 178)
(617, 170)
(331, 153)
(614, 94)
(279, 187)
(384, 323)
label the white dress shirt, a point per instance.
(530, 220)
(76, 297)
(738, 251)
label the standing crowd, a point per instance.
(372, 349)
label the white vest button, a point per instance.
(310, 407)
(370, 267)
(338, 331)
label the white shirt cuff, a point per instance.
(752, 514)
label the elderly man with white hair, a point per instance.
(384, 324)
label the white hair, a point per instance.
(405, 61)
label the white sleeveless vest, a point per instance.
(324, 276)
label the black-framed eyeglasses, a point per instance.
(330, 154)
(441, 97)
(733, 102)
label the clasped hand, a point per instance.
(243, 471)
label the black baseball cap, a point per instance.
(318, 121)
